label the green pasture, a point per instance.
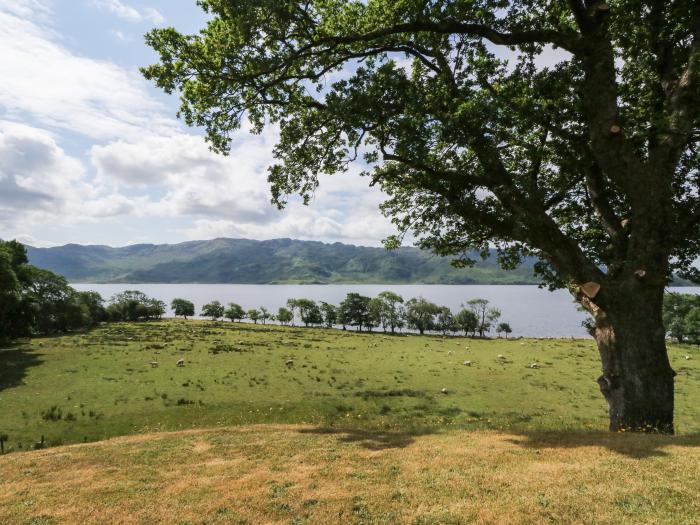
(104, 383)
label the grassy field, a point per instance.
(303, 475)
(294, 426)
(100, 384)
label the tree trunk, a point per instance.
(637, 380)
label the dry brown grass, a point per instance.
(301, 474)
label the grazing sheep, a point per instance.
(534, 365)
(180, 362)
(290, 363)
(687, 357)
(467, 363)
(444, 391)
(450, 352)
(154, 364)
(501, 357)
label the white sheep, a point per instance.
(154, 364)
(444, 391)
(534, 365)
(290, 363)
(467, 363)
(180, 362)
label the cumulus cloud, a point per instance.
(230, 196)
(130, 13)
(54, 86)
(39, 182)
(194, 180)
(37, 178)
(361, 226)
(349, 215)
(142, 163)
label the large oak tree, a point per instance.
(590, 164)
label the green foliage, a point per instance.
(421, 313)
(391, 311)
(93, 305)
(467, 320)
(445, 321)
(504, 328)
(309, 312)
(133, 305)
(214, 310)
(484, 314)
(692, 324)
(234, 312)
(254, 315)
(329, 314)
(681, 316)
(472, 150)
(15, 314)
(182, 307)
(354, 311)
(265, 315)
(36, 300)
(284, 315)
(56, 307)
(51, 299)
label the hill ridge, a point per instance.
(276, 261)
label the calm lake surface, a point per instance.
(531, 312)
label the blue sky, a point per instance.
(91, 153)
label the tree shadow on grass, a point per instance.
(636, 446)
(368, 438)
(15, 359)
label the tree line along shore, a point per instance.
(38, 301)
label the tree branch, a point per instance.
(568, 41)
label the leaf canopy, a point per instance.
(563, 129)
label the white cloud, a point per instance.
(119, 35)
(40, 183)
(31, 240)
(37, 178)
(62, 90)
(194, 181)
(229, 196)
(153, 15)
(127, 12)
(141, 163)
(24, 8)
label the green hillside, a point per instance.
(264, 262)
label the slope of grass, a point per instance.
(306, 475)
(101, 384)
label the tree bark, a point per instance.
(637, 380)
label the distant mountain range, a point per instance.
(246, 261)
